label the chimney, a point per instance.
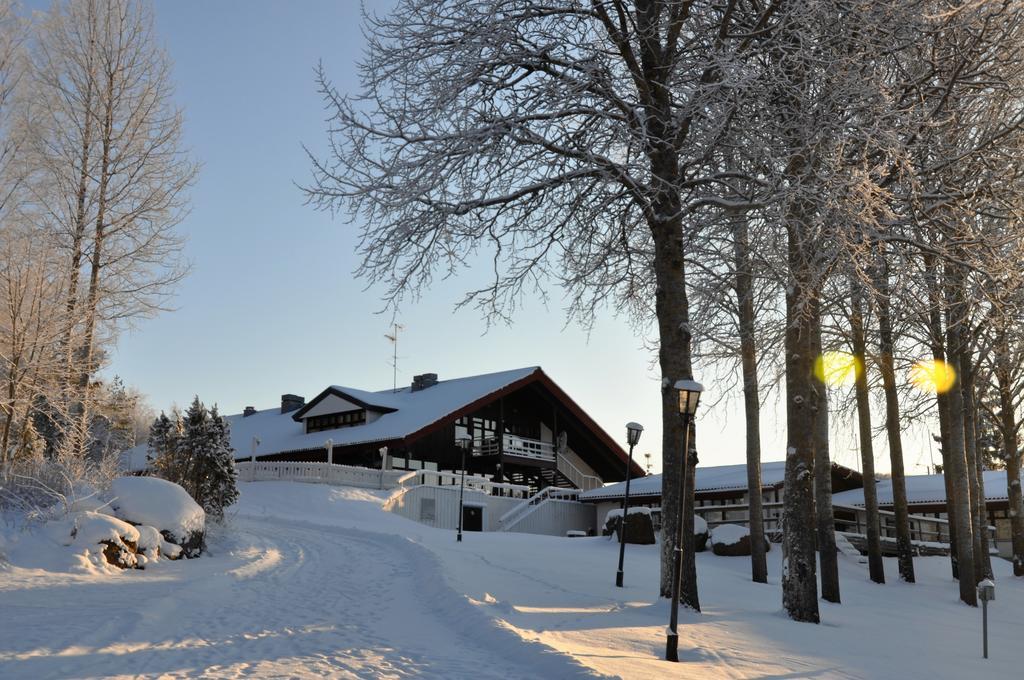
(249, 410)
(291, 402)
(422, 382)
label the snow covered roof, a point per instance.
(714, 478)
(923, 489)
(410, 412)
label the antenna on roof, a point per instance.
(393, 337)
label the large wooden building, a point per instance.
(522, 427)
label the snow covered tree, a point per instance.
(568, 140)
(162, 445)
(216, 488)
(194, 451)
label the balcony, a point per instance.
(516, 447)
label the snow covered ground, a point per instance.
(311, 580)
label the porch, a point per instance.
(530, 462)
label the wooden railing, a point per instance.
(922, 528)
(520, 447)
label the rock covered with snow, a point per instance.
(104, 535)
(732, 540)
(149, 501)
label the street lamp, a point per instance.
(633, 432)
(689, 396)
(464, 443)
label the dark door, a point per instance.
(472, 518)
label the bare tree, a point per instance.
(114, 174)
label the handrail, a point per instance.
(472, 482)
(579, 479)
(531, 504)
(514, 445)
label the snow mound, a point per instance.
(92, 528)
(102, 537)
(728, 534)
(158, 503)
(161, 504)
(614, 514)
(699, 525)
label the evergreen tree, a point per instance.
(217, 482)
(192, 448)
(162, 443)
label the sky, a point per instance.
(271, 305)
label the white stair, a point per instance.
(845, 547)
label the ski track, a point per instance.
(289, 600)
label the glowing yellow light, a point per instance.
(933, 376)
(837, 368)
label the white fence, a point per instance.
(319, 473)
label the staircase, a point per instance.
(845, 547)
(513, 517)
(538, 478)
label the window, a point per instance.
(333, 421)
(428, 509)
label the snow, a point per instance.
(414, 411)
(612, 514)
(313, 581)
(700, 526)
(713, 478)
(91, 528)
(924, 489)
(728, 534)
(158, 503)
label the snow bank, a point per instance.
(160, 504)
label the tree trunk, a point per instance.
(904, 547)
(799, 561)
(828, 554)
(961, 499)
(751, 397)
(876, 567)
(1011, 452)
(688, 591)
(983, 564)
(947, 477)
(672, 309)
(937, 339)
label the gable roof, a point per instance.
(924, 489)
(406, 416)
(372, 401)
(713, 478)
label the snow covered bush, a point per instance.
(732, 540)
(155, 502)
(639, 528)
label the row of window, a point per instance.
(335, 420)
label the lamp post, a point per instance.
(633, 431)
(463, 443)
(689, 396)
